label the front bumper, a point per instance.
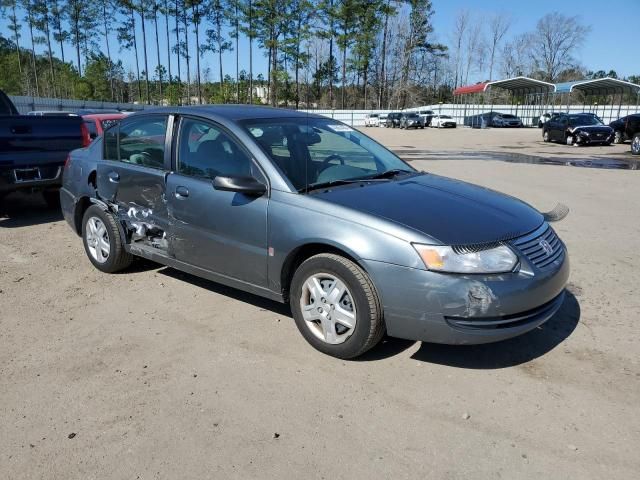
(593, 139)
(467, 309)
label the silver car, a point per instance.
(303, 209)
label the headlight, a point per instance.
(443, 258)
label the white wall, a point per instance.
(528, 113)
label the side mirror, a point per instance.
(247, 185)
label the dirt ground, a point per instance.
(156, 374)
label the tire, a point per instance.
(618, 137)
(104, 228)
(359, 299)
(545, 136)
(570, 140)
(635, 144)
(52, 198)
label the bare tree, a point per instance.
(498, 24)
(474, 49)
(459, 31)
(557, 37)
(515, 56)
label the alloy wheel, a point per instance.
(98, 240)
(328, 308)
(635, 145)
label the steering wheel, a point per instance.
(335, 156)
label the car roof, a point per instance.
(233, 112)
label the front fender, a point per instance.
(292, 226)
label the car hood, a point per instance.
(592, 129)
(449, 211)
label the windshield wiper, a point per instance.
(332, 183)
(388, 174)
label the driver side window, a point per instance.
(141, 141)
(207, 151)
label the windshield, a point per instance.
(582, 120)
(445, 116)
(315, 151)
(411, 115)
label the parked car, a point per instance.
(382, 120)
(577, 129)
(393, 120)
(97, 123)
(625, 128)
(33, 149)
(479, 120)
(411, 120)
(372, 120)
(505, 120)
(443, 121)
(544, 118)
(427, 116)
(303, 209)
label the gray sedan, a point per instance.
(303, 209)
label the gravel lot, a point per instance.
(156, 374)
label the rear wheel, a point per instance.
(335, 306)
(102, 241)
(635, 144)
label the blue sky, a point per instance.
(610, 45)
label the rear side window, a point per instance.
(91, 128)
(111, 144)
(141, 141)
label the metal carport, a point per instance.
(598, 89)
(532, 94)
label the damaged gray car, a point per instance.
(303, 209)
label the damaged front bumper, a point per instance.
(466, 309)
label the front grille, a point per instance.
(532, 246)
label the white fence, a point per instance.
(528, 113)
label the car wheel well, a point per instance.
(302, 253)
(81, 207)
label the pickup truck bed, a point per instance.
(33, 149)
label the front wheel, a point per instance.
(102, 241)
(618, 137)
(335, 306)
(545, 136)
(635, 144)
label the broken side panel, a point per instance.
(137, 194)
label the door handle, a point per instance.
(114, 177)
(182, 192)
